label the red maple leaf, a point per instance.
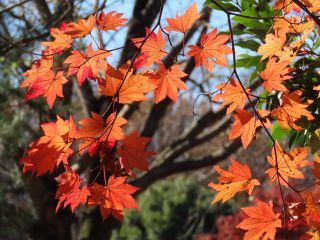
(95, 130)
(113, 198)
(51, 149)
(87, 65)
(152, 48)
(124, 86)
(132, 152)
(48, 86)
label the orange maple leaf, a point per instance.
(52, 148)
(113, 198)
(153, 48)
(211, 46)
(237, 178)
(184, 22)
(295, 25)
(38, 69)
(291, 110)
(74, 198)
(313, 5)
(284, 24)
(286, 55)
(67, 181)
(48, 86)
(288, 164)
(261, 223)
(245, 125)
(274, 43)
(61, 41)
(317, 88)
(87, 64)
(81, 28)
(286, 6)
(94, 130)
(311, 212)
(168, 81)
(274, 74)
(302, 38)
(132, 152)
(232, 94)
(124, 86)
(111, 21)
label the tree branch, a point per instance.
(168, 168)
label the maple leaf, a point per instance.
(294, 25)
(284, 24)
(67, 181)
(94, 130)
(152, 47)
(111, 21)
(61, 41)
(140, 61)
(286, 55)
(211, 46)
(38, 69)
(300, 27)
(48, 86)
(317, 88)
(168, 81)
(124, 86)
(132, 152)
(286, 164)
(232, 94)
(81, 28)
(51, 149)
(312, 234)
(306, 212)
(302, 38)
(286, 6)
(316, 164)
(87, 65)
(274, 74)
(245, 125)
(41, 158)
(261, 223)
(291, 110)
(236, 179)
(313, 5)
(184, 22)
(274, 43)
(74, 198)
(311, 212)
(113, 198)
(69, 191)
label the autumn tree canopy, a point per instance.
(268, 56)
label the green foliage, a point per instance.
(171, 209)
(227, 4)
(278, 133)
